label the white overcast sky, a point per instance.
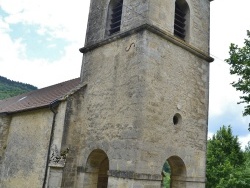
(39, 42)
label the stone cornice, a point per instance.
(152, 29)
(133, 175)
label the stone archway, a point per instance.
(177, 170)
(97, 167)
(102, 175)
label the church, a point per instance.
(141, 100)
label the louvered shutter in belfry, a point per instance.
(179, 22)
(115, 23)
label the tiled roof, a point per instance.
(38, 98)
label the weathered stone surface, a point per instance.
(132, 97)
(127, 183)
(4, 131)
(25, 139)
(26, 149)
(55, 178)
(143, 100)
(138, 83)
(158, 13)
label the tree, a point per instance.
(247, 148)
(166, 171)
(247, 159)
(9, 88)
(225, 161)
(239, 62)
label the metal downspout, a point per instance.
(52, 108)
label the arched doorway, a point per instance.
(174, 173)
(97, 170)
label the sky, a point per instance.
(40, 41)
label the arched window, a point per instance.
(174, 173)
(114, 16)
(181, 20)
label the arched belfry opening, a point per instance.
(174, 173)
(97, 170)
(114, 17)
(181, 19)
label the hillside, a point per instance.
(9, 88)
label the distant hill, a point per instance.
(9, 88)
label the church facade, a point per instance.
(141, 99)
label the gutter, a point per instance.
(52, 106)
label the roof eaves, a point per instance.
(73, 91)
(63, 98)
(25, 110)
(3, 113)
(45, 105)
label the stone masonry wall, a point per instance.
(134, 14)
(57, 161)
(4, 131)
(135, 87)
(176, 82)
(96, 21)
(113, 100)
(26, 149)
(74, 135)
(158, 13)
(161, 14)
(138, 83)
(106, 118)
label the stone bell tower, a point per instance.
(146, 66)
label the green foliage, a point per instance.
(239, 62)
(166, 180)
(247, 148)
(226, 163)
(9, 88)
(238, 179)
(166, 171)
(247, 159)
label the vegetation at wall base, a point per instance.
(9, 88)
(166, 171)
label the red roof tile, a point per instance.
(38, 98)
